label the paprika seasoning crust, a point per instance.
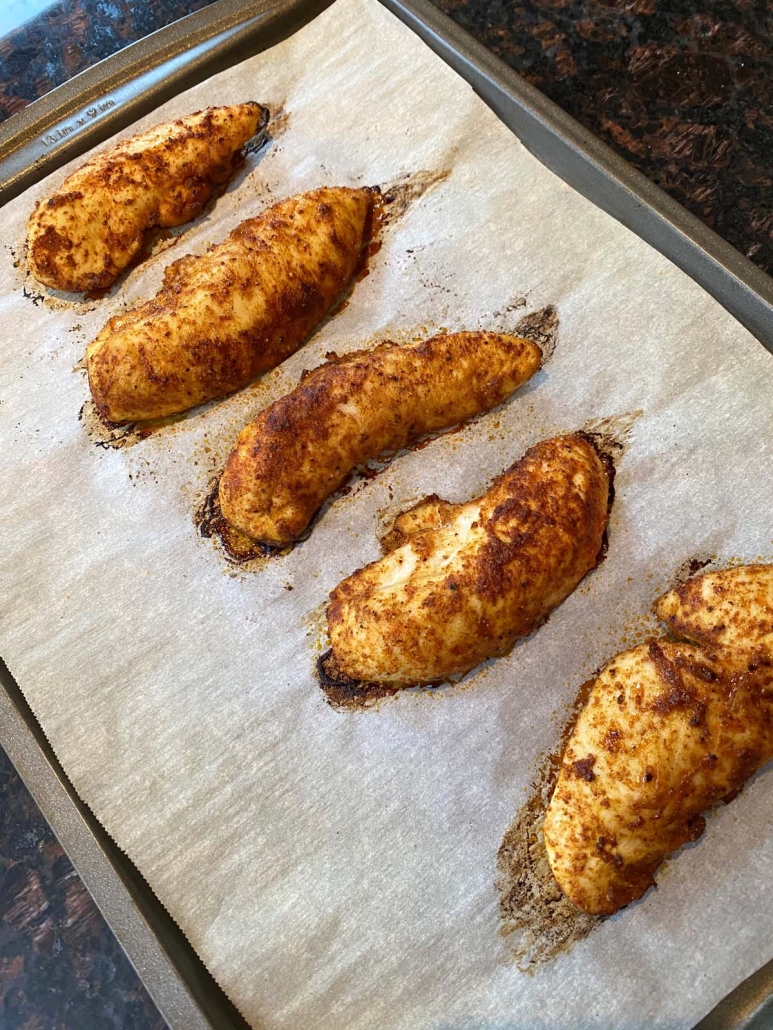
(90, 229)
(240, 309)
(669, 729)
(485, 573)
(296, 452)
(729, 609)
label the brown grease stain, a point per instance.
(344, 693)
(541, 327)
(116, 435)
(537, 920)
(237, 547)
(397, 196)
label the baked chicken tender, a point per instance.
(221, 319)
(484, 573)
(84, 235)
(668, 730)
(302, 448)
(730, 609)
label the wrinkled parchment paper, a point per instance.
(336, 870)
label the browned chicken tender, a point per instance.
(732, 608)
(300, 449)
(668, 730)
(240, 309)
(431, 512)
(484, 573)
(84, 235)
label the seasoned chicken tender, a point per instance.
(300, 449)
(240, 309)
(668, 730)
(85, 234)
(430, 512)
(730, 609)
(485, 573)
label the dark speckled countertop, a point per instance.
(686, 96)
(60, 966)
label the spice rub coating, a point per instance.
(483, 574)
(302, 448)
(221, 319)
(729, 609)
(87, 232)
(668, 730)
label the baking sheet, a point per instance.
(339, 869)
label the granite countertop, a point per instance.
(60, 966)
(686, 97)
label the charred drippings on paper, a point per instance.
(537, 921)
(394, 198)
(611, 434)
(692, 566)
(273, 124)
(346, 694)
(607, 456)
(541, 327)
(117, 435)
(34, 295)
(108, 435)
(236, 547)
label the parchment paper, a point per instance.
(337, 870)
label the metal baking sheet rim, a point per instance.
(97, 103)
